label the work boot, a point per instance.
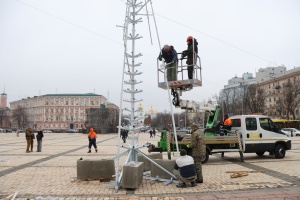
(181, 185)
(193, 184)
(199, 181)
(89, 151)
(96, 150)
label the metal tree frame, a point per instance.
(133, 9)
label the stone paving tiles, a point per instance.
(53, 172)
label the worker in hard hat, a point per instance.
(169, 54)
(191, 53)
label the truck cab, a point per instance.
(259, 134)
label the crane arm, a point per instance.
(197, 106)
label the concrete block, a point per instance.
(95, 169)
(167, 164)
(132, 175)
(147, 163)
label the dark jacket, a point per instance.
(190, 49)
(39, 135)
(169, 56)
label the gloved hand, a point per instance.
(160, 58)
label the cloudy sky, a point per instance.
(75, 46)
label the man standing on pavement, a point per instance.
(184, 170)
(198, 149)
(28, 139)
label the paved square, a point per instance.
(52, 172)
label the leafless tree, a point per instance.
(255, 99)
(20, 116)
(4, 118)
(291, 98)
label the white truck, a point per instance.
(249, 134)
(259, 134)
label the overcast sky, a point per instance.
(74, 46)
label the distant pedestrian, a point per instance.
(28, 139)
(151, 132)
(17, 133)
(92, 140)
(39, 138)
(32, 140)
(124, 135)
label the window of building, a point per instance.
(67, 102)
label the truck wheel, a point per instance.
(260, 153)
(205, 158)
(279, 151)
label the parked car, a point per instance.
(290, 131)
(47, 131)
(8, 130)
(71, 131)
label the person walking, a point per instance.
(28, 139)
(185, 170)
(191, 53)
(169, 54)
(39, 139)
(153, 132)
(92, 140)
(198, 149)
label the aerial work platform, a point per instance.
(183, 83)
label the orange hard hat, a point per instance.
(189, 38)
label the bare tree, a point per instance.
(255, 99)
(20, 116)
(4, 118)
(291, 99)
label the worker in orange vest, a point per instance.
(92, 140)
(227, 122)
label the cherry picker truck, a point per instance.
(215, 140)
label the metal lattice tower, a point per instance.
(129, 86)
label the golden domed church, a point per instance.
(152, 112)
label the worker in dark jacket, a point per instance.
(185, 170)
(169, 54)
(191, 53)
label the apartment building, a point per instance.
(58, 111)
(275, 92)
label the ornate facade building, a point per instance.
(58, 111)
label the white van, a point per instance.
(259, 134)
